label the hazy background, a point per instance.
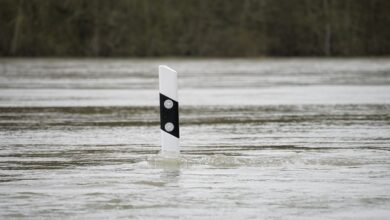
(139, 28)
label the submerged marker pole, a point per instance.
(169, 110)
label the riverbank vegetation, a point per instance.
(139, 28)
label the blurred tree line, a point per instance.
(194, 27)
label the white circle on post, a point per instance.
(168, 104)
(169, 126)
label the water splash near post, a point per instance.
(169, 110)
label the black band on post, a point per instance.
(169, 115)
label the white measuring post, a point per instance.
(169, 110)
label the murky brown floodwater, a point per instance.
(261, 138)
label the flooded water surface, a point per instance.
(260, 139)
